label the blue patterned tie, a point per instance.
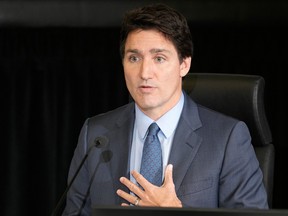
(151, 165)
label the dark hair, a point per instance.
(161, 17)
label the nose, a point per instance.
(146, 71)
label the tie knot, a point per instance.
(153, 129)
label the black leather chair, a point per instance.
(240, 96)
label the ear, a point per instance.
(185, 66)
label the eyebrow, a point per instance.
(159, 50)
(152, 51)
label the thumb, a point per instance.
(168, 174)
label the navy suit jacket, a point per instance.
(214, 163)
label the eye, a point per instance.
(133, 58)
(159, 59)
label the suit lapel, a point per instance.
(186, 142)
(121, 139)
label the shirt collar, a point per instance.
(167, 122)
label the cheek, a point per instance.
(127, 72)
(127, 79)
(170, 74)
(130, 79)
(171, 80)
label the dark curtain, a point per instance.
(54, 78)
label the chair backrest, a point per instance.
(240, 96)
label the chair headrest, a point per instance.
(238, 95)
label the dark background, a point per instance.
(60, 64)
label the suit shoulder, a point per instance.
(208, 113)
(112, 116)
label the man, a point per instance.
(207, 158)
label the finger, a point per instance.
(127, 196)
(168, 174)
(123, 194)
(130, 185)
(124, 204)
(140, 179)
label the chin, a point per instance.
(146, 105)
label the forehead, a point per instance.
(144, 40)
